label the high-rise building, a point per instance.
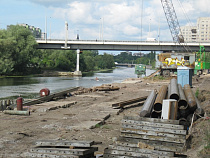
(203, 29)
(198, 33)
(37, 32)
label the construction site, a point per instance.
(112, 121)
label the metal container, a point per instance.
(19, 103)
(184, 75)
(159, 99)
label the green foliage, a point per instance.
(197, 92)
(125, 57)
(19, 56)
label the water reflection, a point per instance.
(29, 87)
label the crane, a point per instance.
(173, 23)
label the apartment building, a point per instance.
(198, 33)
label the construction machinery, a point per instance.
(168, 62)
(202, 62)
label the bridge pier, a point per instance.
(77, 72)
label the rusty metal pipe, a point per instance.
(174, 92)
(199, 110)
(182, 103)
(148, 104)
(190, 97)
(159, 99)
(16, 112)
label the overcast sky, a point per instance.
(121, 19)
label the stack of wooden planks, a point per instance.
(148, 137)
(62, 149)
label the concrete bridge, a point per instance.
(117, 45)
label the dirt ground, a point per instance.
(76, 122)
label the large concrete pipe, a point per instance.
(190, 97)
(174, 92)
(159, 99)
(148, 104)
(182, 103)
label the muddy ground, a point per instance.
(80, 120)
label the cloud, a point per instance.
(122, 19)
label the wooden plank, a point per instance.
(155, 120)
(132, 154)
(64, 143)
(157, 138)
(156, 128)
(162, 146)
(143, 151)
(152, 133)
(127, 102)
(64, 151)
(152, 124)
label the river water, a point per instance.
(29, 87)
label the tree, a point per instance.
(23, 48)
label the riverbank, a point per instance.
(90, 117)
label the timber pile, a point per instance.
(148, 137)
(62, 149)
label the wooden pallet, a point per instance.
(148, 137)
(62, 149)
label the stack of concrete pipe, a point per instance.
(187, 102)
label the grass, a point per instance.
(197, 92)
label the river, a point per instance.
(29, 87)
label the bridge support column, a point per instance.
(77, 72)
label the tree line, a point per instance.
(146, 59)
(19, 56)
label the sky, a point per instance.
(101, 19)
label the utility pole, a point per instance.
(46, 28)
(66, 39)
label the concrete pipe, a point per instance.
(182, 103)
(174, 92)
(190, 97)
(148, 104)
(16, 112)
(159, 99)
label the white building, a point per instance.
(199, 33)
(203, 29)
